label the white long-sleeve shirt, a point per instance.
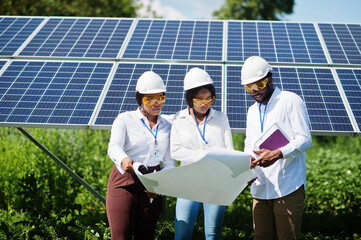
(131, 138)
(188, 146)
(289, 173)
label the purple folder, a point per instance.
(274, 141)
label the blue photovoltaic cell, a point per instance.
(351, 83)
(238, 100)
(2, 63)
(121, 94)
(171, 39)
(316, 87)
(274, 41)
(343, 42)
(14, 31)
(51, 92)
(79, 37)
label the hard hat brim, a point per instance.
(153, 91)
(197, 85)
(252, 80)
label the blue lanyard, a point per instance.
(204, 127)
(156, 132)
(260, 115)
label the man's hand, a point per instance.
(252, 162)
(266, 158)
(127, 165)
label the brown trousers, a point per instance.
(129, 210)
(279, 218)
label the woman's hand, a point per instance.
(151, 195)
(127, 165)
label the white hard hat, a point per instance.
(196, 77)
(150, 82)
(254, 69)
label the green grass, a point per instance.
(39, 200)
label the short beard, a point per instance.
(267, 95)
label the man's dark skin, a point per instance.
(267, 157)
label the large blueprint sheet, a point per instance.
(218, 178)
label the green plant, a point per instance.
(39, 200)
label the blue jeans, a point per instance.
(186, 215)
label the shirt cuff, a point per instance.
(121, 170)
(287, 150)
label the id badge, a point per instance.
(155, 156)
(156, 153)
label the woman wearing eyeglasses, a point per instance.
(138, 136)
(195, 130)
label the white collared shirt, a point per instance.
(131, 138)
(186, 142)
(289, 173)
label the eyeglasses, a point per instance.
(257, 86)
(201, 101)
(152, 100)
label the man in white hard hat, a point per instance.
(279, 191)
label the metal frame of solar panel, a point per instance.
(80, 72)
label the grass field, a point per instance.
(39, 200)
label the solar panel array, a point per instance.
(74, 37)
(37, 92)
(177, 40)
(274, 41)
(351, 83)
(81, 72)
(14, 32)
(343, 42)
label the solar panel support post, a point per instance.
(63, 165)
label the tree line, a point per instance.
(231, 9)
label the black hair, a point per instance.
(139, 96)
(191, 93)
(269, 75)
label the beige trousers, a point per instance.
(279, 218)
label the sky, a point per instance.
(335, 11)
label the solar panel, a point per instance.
(81, 72)
(14, 31)
(315, 85)
(121, 94)
(38, 92)
(238, 101)
(275, 41)
(79, 37)
(343, 42)
(181, 40)
(351, 83)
